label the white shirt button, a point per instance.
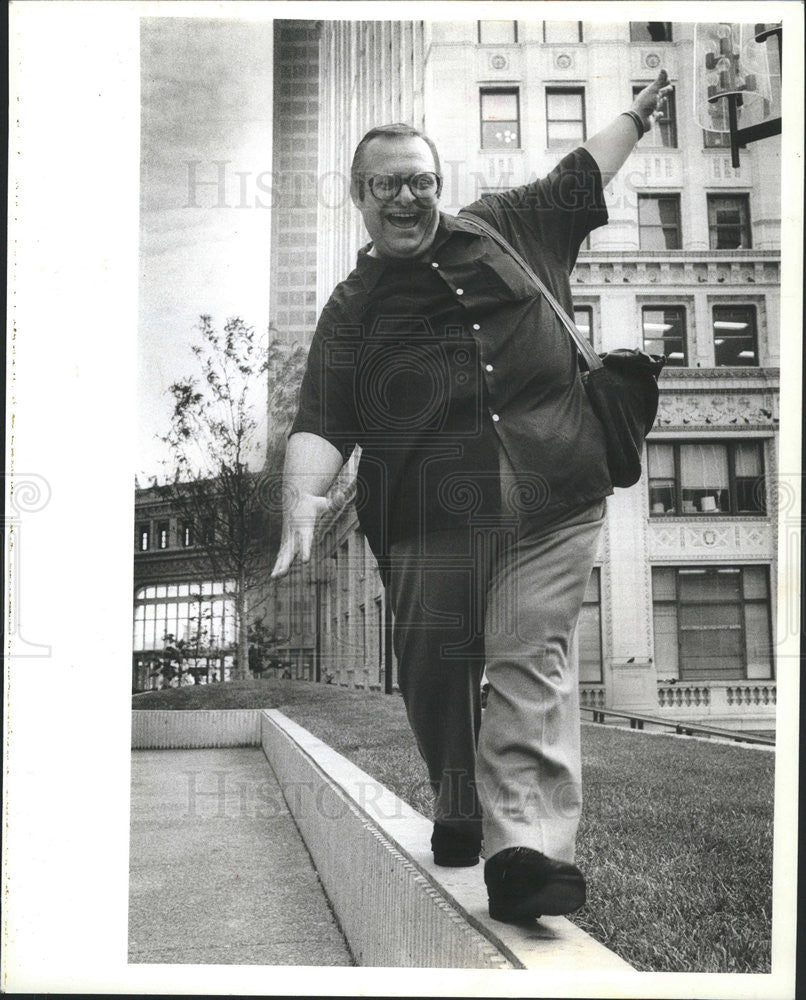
(488, 368)
(460, 291)
(476, 326)
(496, 418)
(434, 264)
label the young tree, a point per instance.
(263, 643)
(179, 660)
(226, 435)
(285, 366)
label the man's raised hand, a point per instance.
(651, 100)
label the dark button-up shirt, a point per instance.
(434, 365)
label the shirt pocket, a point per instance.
(505, 278)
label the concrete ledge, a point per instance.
(196, 729)
(396, 907)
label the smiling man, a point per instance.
(481, 487)
(400, 171)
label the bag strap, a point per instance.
(591, 358)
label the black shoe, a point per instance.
(455, 848)
(523, 883)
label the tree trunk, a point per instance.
(242, 653)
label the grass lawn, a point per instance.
(675, 839)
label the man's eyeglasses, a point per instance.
(424, 186)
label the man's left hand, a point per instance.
(649, 104)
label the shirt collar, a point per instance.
(370, 269)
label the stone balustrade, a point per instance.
(718, 697)
(592, 696)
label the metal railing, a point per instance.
(637, 721)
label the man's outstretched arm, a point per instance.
(611, 146)
(311, 465)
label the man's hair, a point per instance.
(393, 131)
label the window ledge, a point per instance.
(503, 149)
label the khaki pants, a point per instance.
(507, 598)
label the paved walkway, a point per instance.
(218, 871)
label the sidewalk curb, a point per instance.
(395, 907)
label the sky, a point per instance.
(206, 124)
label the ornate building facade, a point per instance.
(186, 589)
(680, 615)
(679, 618)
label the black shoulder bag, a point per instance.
(621, 385)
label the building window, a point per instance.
(143, 536)
(729, 222)
(712, 623)
(650, 31)
(498, 32)
(664, 128)
(162, 535)
(725, 477)
(200, 614)
(589, 632)
(565, 116)
(187, 534)
(500, 119)
(735, 336)
(665, 332)
(583, 317)
(659, 221)
(562, 31)
(716, 140)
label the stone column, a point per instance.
(630, 678)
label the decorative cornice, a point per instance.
(710, 256)
(170, 555)
(732, 409)
(768, 376)
(724, 538)
(676, 519)
(689, 268)
(708, 429)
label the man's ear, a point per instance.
(357, 192)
